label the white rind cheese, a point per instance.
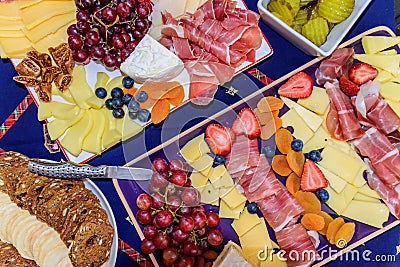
(151, 61)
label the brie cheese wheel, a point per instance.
(151, 61)
(231, 256)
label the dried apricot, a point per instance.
(345, 234)
(296, 161)
(175, 95)
(277, 122)
(160, 111)
(270, 103)
(293, 183)
(308, 201)
(131, 90)
(264, 117)
(283, 140)
(280, 165)
(268, 130)
(328, 219)
(333, 228)
(155, 90)
(312, 221)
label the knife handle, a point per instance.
(66, 170)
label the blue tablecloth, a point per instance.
(26, 135)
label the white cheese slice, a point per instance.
(231, 256)
(151, 61)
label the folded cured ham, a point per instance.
(335, 65)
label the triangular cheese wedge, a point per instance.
(374, 44)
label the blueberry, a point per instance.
(141, 96)
(314, 155)
(127, 98)
(133, 115)
(322, 194)
(218, 160)
(117, 103)
(109, 103)
(269, 151)
(128, 82)
(144, 115)
(117, 92)
(101, 92)
(297, 145)
(118, 113)
(252, 208)
(133, 106)
(290, 129)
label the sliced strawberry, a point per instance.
(299, 85)
(361, 73)
(247, 123)
(312, 178)
(348, 87)
(219, 139)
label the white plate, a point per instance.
(106, 206)
(334, 38)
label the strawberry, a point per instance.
(348, 87)
(219, 139)
(361, 73)
(299, 85)
(247, 123)
(312, 178)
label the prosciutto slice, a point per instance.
(335, 65)
(280, 209)
(297, 244)
(244, 154)
(346, 125)
(373, 110)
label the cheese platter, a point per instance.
(334, 214)
(166, 72)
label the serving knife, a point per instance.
(69, 170)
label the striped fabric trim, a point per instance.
(256, 73)
(132, 253)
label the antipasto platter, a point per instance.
(247, 160)
(156, 71)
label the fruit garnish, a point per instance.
(312, 178)
(270, 103)
(347, 86)
(293, 183)
(312, 221)
(117, 92)
(126, 98)
(333, 228)
(297, 145)
(361, 73)
(252, 208)
(314, 155)
(328, 219)
(308, 201)
(322, 194)
(280, 165)
(141, 96)
(101, 92)
(128, 82)
(219, 139)
(247, 123)
(219, 159)
(268, 151)
(345, 234)
(283, 140)
(160, 111)
(143, 115)
(296, 160)
(299, 85)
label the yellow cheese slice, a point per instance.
(245, 223)
(224, 182)
(227, 212)
(48, 27)
(93, 141)
(102, 80)
(114, 82)
(383, 76)
(198, 180)
(359, 180)
(335, 182)
(95, 102)
(255, 239)
(72, 141)
(339, 202)
(301, 129)
(216, 173)
(130, 127)
(191, 151)
(234, 198)
(192, 5)
(155, 31)
(80, 89)
(9, 11)
(11, 33)
(313, 120)
(365, 198)
(320, 139)
(387, 62)
(374, 44)
(42, 11)
(209, 194)
(391, 91)
(58, 127)
(26, 3)
(111, 135)
(203, 164)
(15, 45)
(367, 191)
(394, 105)
(59, 110)
(317, 102)
(340, 163)
(176, 9)
(374, 214)
(388, 52)
(45, 110)
(52, 40)
(14, 24)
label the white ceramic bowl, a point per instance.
(334, 38)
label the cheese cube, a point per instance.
(301, 129)
(203, 164)
(371, 213)
(225, 181)
(246, 222)
(216, 173)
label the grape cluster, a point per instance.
(108, 30)
(175, 223)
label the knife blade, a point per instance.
(69, 170)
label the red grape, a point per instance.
(203, 244)
(118, 41)
(109, 60)
(80, 55)
(149, 231)
(179, 178)
(200, 220)
(191, 196)
(82, 15)
(123, 10)
(185, 211)
(186, 223)
(202, 231)
(72, 29)
(174, 243)
(142, 11)
(174, 202)
(144, 201)
(161, 240)
(141, 24)
(97, 52)
(163, 218)
(92, 37)
(158, 201)
(179, 235)
(83, 26)
(109, 14)
(132, 45)
(188, 183)
(190, 248)
(147, 246)
(212, 219)
(137, 35)
(144, 216)
(169, 256)
(159, 180)
(127, 37)
(199, 209)
(215, 237)
(75, 41)
(160, 165)
(175, 165)
(184, 261)
(125, 53)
